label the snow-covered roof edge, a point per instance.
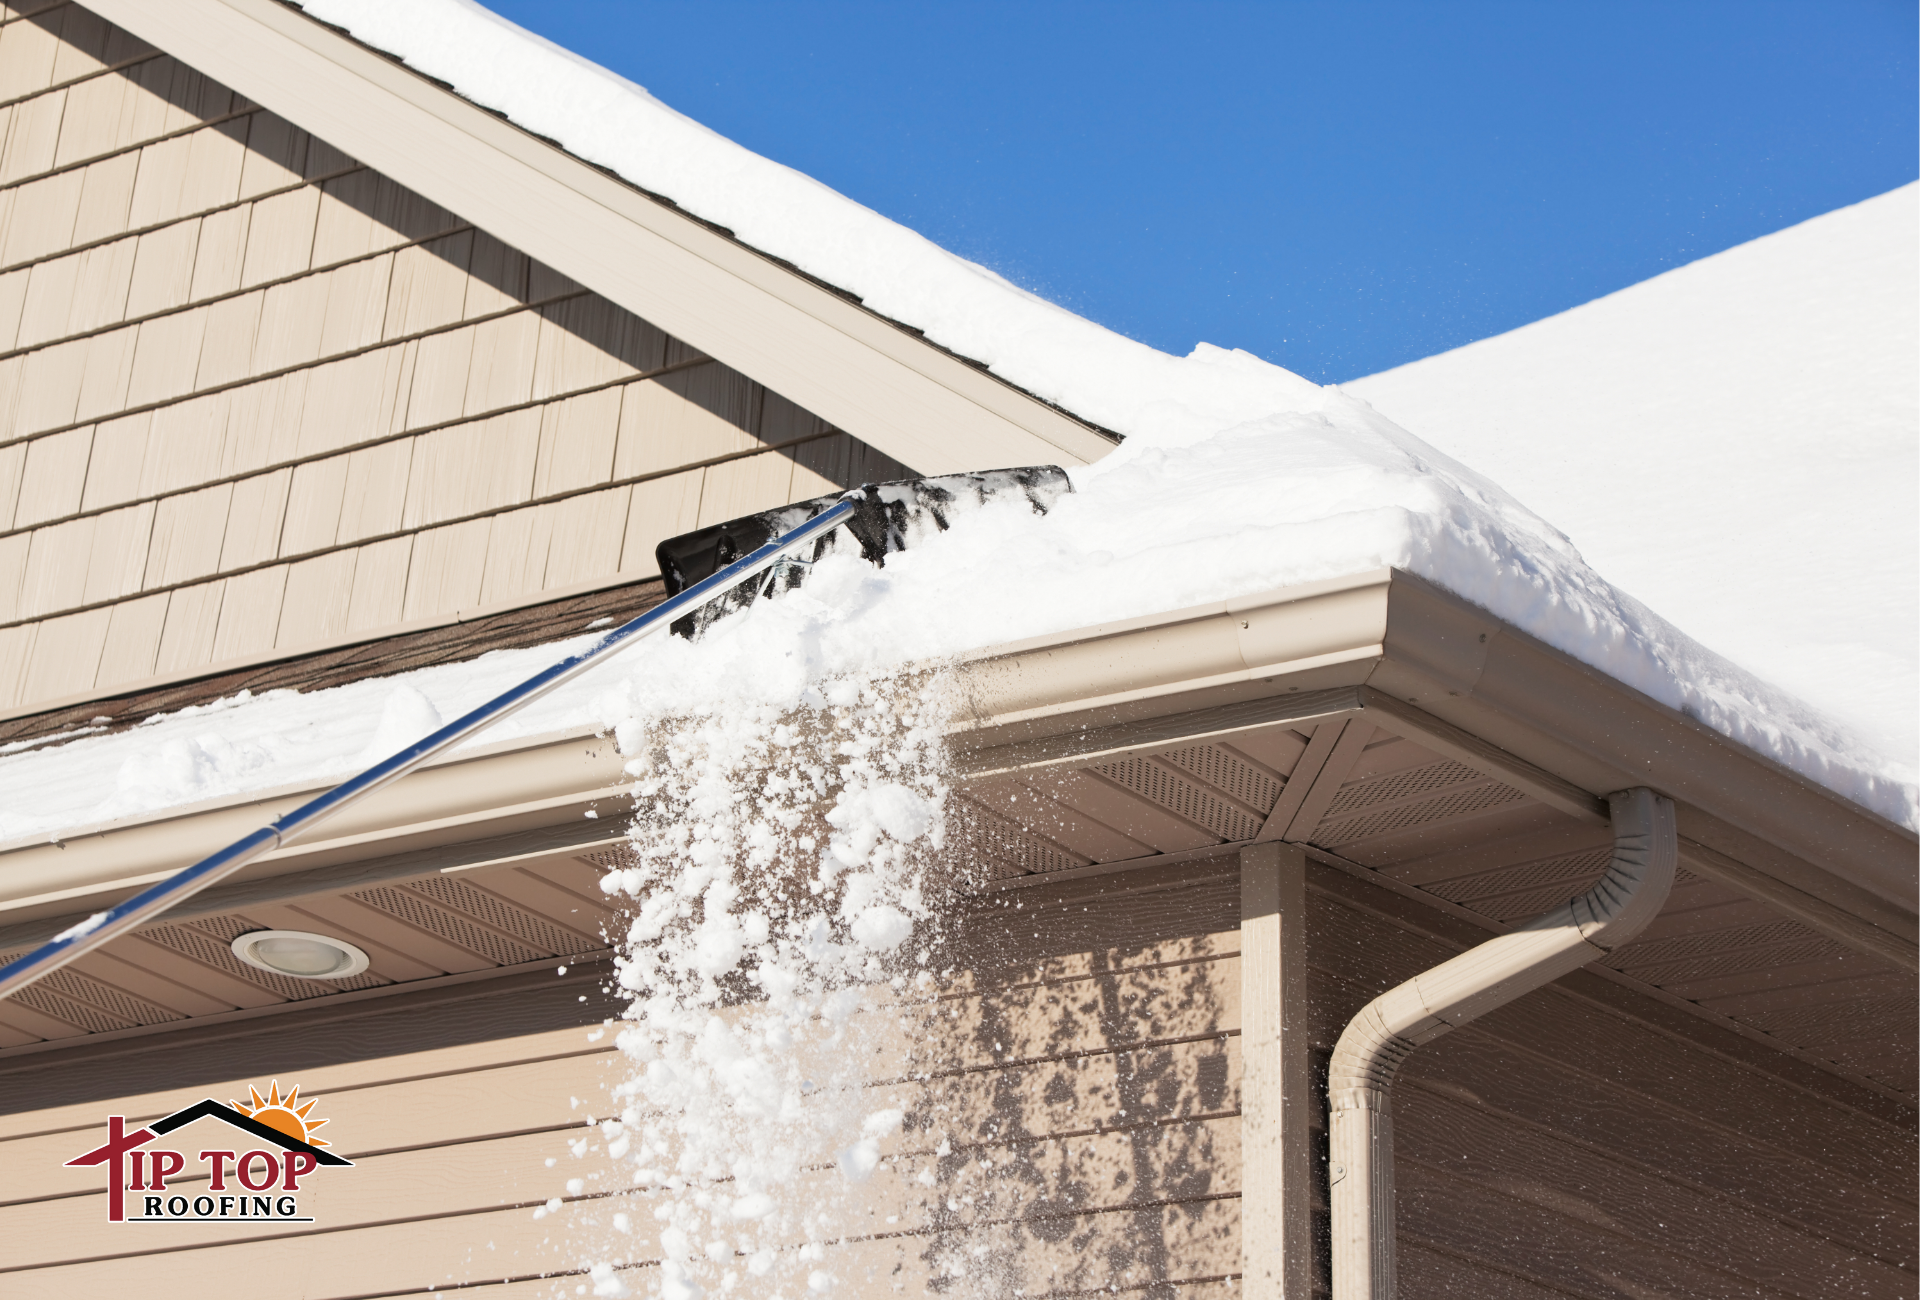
(1457, 529)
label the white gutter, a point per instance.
(1482, 979)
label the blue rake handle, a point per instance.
(102, 927)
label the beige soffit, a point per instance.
(884, 384)
(1417, 661)
(1432, 667)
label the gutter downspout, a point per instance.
(1360, 1128)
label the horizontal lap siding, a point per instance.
(1080, 1068)
(1085, 1253)
(450, 1113)
(1084, 1081)
(881, 1285)
(277, 401)
(1084, 1072)
(1553, 1147)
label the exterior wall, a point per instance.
(1085, 1078)
(449, 1106)
(256, 398)
(1089, 1087)
(1559, 1147)
(1085, 1082)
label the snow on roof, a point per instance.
(1236, 477)
(1736, 442)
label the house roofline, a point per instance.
(920, 404)
(1384, 645)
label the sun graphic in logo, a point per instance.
(279, 1113)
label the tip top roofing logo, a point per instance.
(229, 1185)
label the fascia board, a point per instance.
(1088, 744)
(484, 793)
(1317, 636)
(863, 374)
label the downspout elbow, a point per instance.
(1360, 1074)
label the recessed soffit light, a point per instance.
(300, 954)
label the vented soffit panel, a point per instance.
(866, 375)
(1359, 796)
(425, 924)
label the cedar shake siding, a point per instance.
(256, 399)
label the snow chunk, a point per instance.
(407, 716)
(882, 928)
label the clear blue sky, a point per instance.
(1337, 187)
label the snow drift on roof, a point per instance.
(1327, 489)
(1736, 442)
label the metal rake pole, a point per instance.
(104, 926)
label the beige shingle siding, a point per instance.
(255, 397)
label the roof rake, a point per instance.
(886, 517)
(709, 573)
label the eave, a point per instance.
(1383, 644)
(515, 794)
(1426, 664)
